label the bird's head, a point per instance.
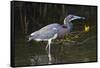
(71, 17)
(68, 21)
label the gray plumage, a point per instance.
(46, 32)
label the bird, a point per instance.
(52, 31)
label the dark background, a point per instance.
(28, 17)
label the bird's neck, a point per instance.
(69, 26)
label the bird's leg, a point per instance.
(49, 52)
(46, 46)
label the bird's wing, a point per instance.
(50, 26)
(47, 32)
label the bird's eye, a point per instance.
(71, 17)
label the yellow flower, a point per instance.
(86, 28)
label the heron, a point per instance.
(52, 31)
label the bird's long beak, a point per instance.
(78, 17)
(83, 18)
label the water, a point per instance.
(34, 53)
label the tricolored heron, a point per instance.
(52, 31)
